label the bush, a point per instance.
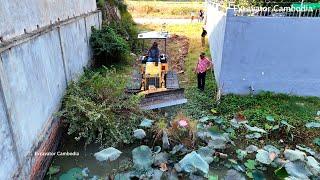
(97, 109)
(108, 46)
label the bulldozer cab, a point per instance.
(157, 36)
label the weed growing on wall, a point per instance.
(97, 109)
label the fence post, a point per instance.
(8, 114)
(65, 67)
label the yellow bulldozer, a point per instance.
(155, 80)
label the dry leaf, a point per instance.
(272, 156)
(163, 167)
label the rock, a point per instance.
(255, 129)
(297, 169)
(194, 163)
(206, 153)
(177, 148)
(139, 133)
(165, 140)
(263, 157)
(313, 125)
(252, 149)
(110, 153)
(293, 155)
(217, 142)
(271, 148)
(306, 149)
(254, 136)
(160, 158)
(234, 175)
(142, 158)
(313, 165)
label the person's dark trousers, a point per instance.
(201, 80)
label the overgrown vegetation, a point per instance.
(117, 37)
(108, 46)
(296, 110)
(97, 109)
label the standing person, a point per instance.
(192, 16)
(201, 15)
(203, 36)
(203, 65)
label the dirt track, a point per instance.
(162, 21)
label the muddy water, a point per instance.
(86, 159)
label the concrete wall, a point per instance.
(17, 15)
(216, 26)
(279, 54)
(33, 76)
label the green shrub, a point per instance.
(108, 46)
(100, 3)
(97, 109)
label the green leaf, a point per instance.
(214, 130)
(249, 174)
(53, 170)
(219, 120)
(146, 123)
(213, 177)
(270, 118)
(267, 126)
(316, 141)
(214, 111)
(258, 175)
(313, 125)
(250, 164)
(241, 154)
(253, 136)
(281, 173)
(74, 173)
(287, 124)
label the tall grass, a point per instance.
(163, 9)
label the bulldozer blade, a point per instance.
(163, 99)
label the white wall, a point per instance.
(17, 15)
(279, 54)
(216, 25)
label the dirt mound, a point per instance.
(178, 47)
